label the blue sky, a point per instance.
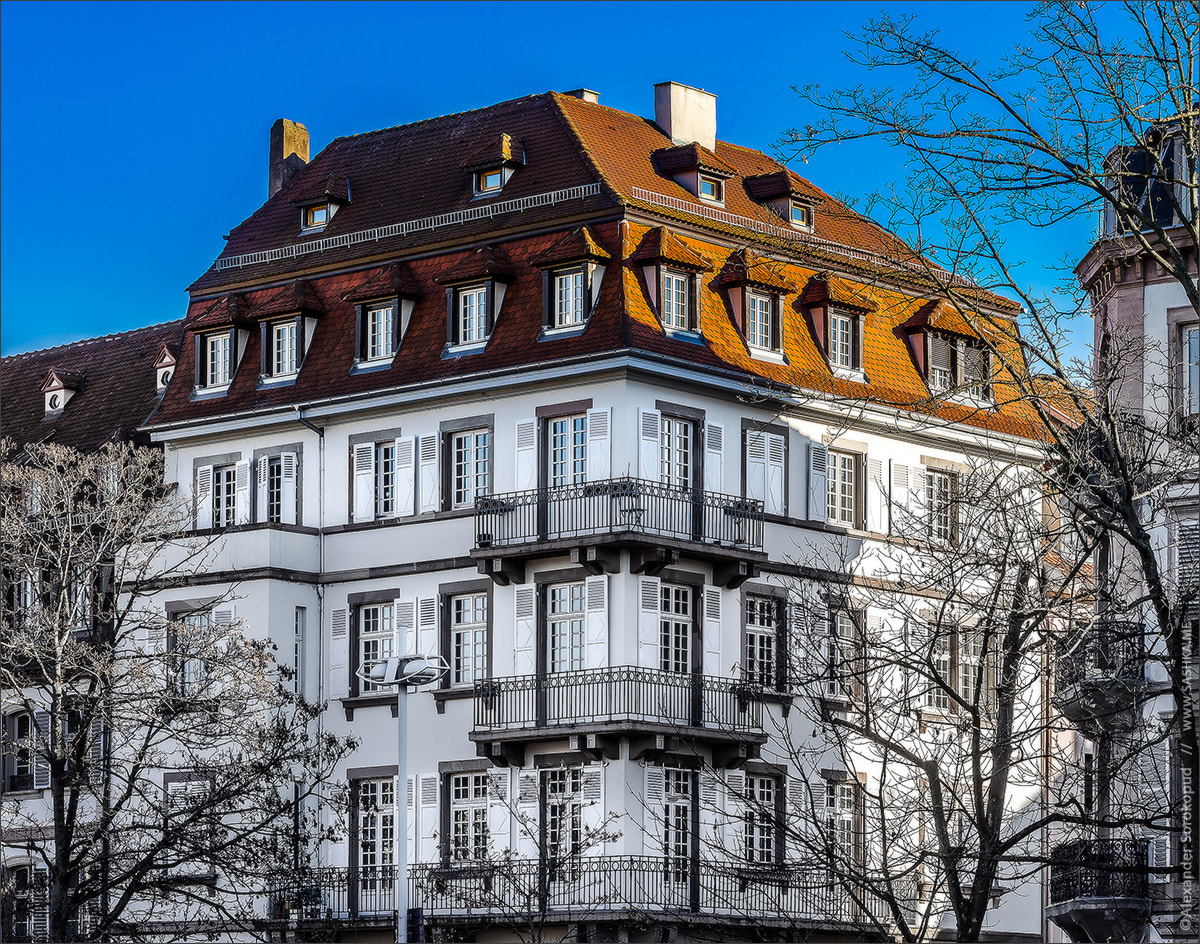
(135, 135)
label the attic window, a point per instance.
(490, 180)
(711, 189)
(801, 215)
(958, 365)
(316, 215)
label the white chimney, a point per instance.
(686, 114)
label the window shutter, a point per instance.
(818, 481)
(201, 366)
(898, 499)
(429, 817)
(548, 299)
(96, 748)
(711, 809)
(528, 820)
(364, 482)
(405, 613)
(241, 492)
(756, 465)
(262, 471)
(427, 626)
(288, 495)
(918, 502)
(339, 654)
(524, 613)
(499, 811)
(597, 622)
(594, 278)
(776, 454)
(152, 636)
(430, 482)
(593, 809)
(1188, 555)
(652, 824)
(451, 319)
(776, 324)
(527, 466)
(649, 605)
(876, 491)
(735, 813)
(714, 457)
(204, 500)
(649, 444)
(406, 476)
(795, 818)
(39, 911)
(939, 359)
(712, 631)
(42, 745)
(693, 284)
(410, 794)
(599, 445)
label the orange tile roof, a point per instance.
(661, 245)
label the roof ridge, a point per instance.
(103, 337)
(426, 121)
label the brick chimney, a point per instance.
(686, 114)
(289, 152)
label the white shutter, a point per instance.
(898, 499)
(96, 747)
(711, 814)
(918, 503)
(649, 444)
(756, 466)
(406, 476)
(225, 615)
(261, 502)
(597, 622)
(524, 607)
(528, 820)
(241, 492)
(411, 810)
(714, 457)
(776, 452)
(876, 490)
(339, 653)
(649, 605)
(652, 821)
(527, 466)
(427, 626)
(288, 497)
(794, 818)
(735, 812)
(499, 810)
(939, 358)
(204, 500)
(405, 612)
(152, 636)
(42, 743)
(818, 481)
(429, 817)
(599, 445)
(39, 910)
(1188, 558)
(364, 482)
(712, 631)
(430, 482)
(593, 808)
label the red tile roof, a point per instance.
(393, 279)
(661, 245)
(684, 157)
(577, 245)
(487, 262)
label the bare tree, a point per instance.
(169, 762)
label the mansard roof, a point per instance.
(115, 379)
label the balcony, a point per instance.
(1097, 677)
(1099, 889)
(589, 888)
(592, 520)
(594, 707)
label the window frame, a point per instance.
(187, 671)
(844, 649)
(773, 326)
(836, 460)
(763, 824)
(269, 346)
(362, 342)
(454, 297)
(1188, 340)
(474, 804)
(224, 496)
(947, 506)
(854, 321)
(577, 439)
(717, 185)
(806, 223)
(309, 219)
(957, 383)
(761, 599)
(576, 636)
(205, 382)
(580, 297)
(449, 596)
(480, 178)
(472, 475)
(691, 312)
(386, 640)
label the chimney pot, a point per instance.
(586, 95)
(289, 152)
(686, 114)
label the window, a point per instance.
(841, 819)
(939, 500)
(218, 366)
(376, 637)
(472, 451)
(762, 660)
(711, 189)
(677, 823)
(316, 216)
(843, 655)
(675, 452)
(958, 364)
(565, 627)
(299, 646)
(274, 467)
(283, 348)
(843, 341)
(675, 629)
(224, 496)
(380, 321)
(19, 748)
(569, 298)
(1190, 362)
(972, 667)
(801, 215)
(676, 301)
(468, 638)
(469, 817)
(487, 181)
(277, 481)
(473, 314)
(385, 479)
(760, 322)
(563, 819)
(568, 450)
(760, 819)
(937, 695)
(375, 819)
(843, 489)
(189, 638)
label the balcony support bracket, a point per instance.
(652, 561)
(597, 560)
(734, 755)
(653, 747)
(597, 746)
(502, 753)
(733, 574)
(503, 570)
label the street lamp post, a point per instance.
(402, 672)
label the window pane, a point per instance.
(379, 332)
(1191, 360)
(472, 466)
(468, 638)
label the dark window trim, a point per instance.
(776, 325)
(452, 295)
(550, 296)
(266, 344)
(448, 430)
(782, 654)
(354, 603)
(570, 407)
(693, 309)
(376, 437)
(362, 336)
(446, 591)
(699, 418)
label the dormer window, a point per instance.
(217, 348)
(762, 323)
(843, 341)
(317, 215)
(58, 388)
(474, 314)
(677, 300)
(711, 189)
(283, 348)
(475, 289)
(569, 298)
(801, 214)
(379, 331)
(958, 365)
(488, 181)
(164, 368)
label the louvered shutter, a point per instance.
(918, 503)
(241, 492)
(796, 817)
(756, 466)
(96, 748)
(364, 482)
(652, 823)
(429, 478)
(649, 444)
(712, 631)
(288, 495)
(898, 499)
(714, 457)
(339, 653)
(406, 627)
(411, 810)
(1154, 768)
(735, 813)
(939, 362)
(406, 476)
(818, 481)
(528, 818)
(526, 453)
(427, 626)
(152, 636)
(1188, 553)
(593, 813)
(776, 455)
(39, 911)
(429, 817)
(876, 498)
(649, 605)
(597, 622)
(711, 814)
(499, 810)
(261, 499)
(225, 615)
(599, 445)
(42, 738)
(204, 499)
(524, 631)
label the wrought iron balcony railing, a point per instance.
(614, 506)
(620, 695)
(1099, 868)
(521, 890)
(1113, 651)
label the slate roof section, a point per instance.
(118, 388)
